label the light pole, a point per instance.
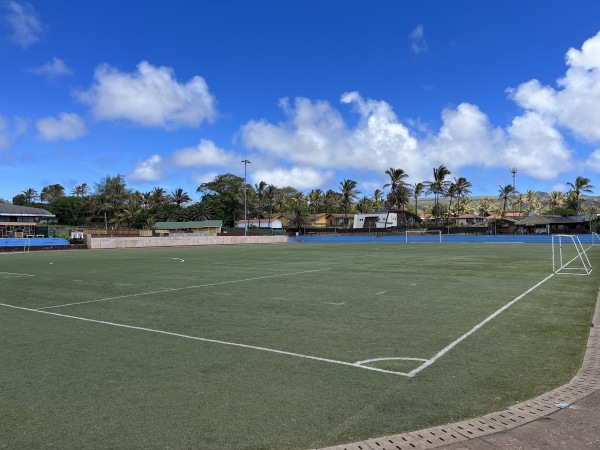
(246, 162)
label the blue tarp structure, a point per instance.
(33, 242)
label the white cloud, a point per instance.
(67, 126)
(316, 135)
(575, 105)
(301, 178)
(417, 38)
(53, 69)
(593, 161)
(24, 21)
(150, 169)
(10, 129)
(151, 96)
(206, 153)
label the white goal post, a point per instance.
(423, 236)
(569, 256)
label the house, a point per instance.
(340, 220)
(204, 227)
(283, 218)
(546, 224)
(470, 219)
(318, 220)
(262, 223)
(21, 221)
(386, 219)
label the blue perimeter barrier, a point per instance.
(33, 242)
(461, 239)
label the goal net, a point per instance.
(569, 256)
(413, 236)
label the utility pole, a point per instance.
(246, 162)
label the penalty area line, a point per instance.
(215, 341)
(161, 291)
(453, 344)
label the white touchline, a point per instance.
(19, 274)
(213, 341)
(453, 344)
(182, 288)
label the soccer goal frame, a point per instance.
(578, 265)
(26, 245)
(418, 236)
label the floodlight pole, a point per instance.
(246, 162)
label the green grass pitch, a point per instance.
(256, 346)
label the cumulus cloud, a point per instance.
(316, 139)
(10, 129)
(24, 22)
(67, 126)
(150, 96)
(53, 69)
(575, 103)
(206, 153)
(417, 40)
(150, 169)
(302, 178)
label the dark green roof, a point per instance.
(6, 209)
(188, 225)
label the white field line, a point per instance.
(453, 344)
(19, 274)
(482, 323)
(183, 288)
(216, 341)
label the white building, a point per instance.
(264, 223)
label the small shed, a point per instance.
(204, 227)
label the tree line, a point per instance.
(110, 203)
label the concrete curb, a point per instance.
(583, 384)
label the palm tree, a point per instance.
(315, 199)
(270, 193)
(505, 193)
(198, 211)
(418, 189)
(52, 193)
(260, 188)
(438, 186)
(158, 196)
(180, 197)
(349, 194)
(80, 191)
(377, 197)
(556, 200)
(396, 178)
(581, 184)
(451, 193)
(520, 200)
(364, 205)
(461, 189)
(30, 195)
(332, 201)
(486, 207)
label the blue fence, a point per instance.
(33, 242)
(509, 238)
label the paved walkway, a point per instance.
(566, 418)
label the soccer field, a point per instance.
(283, 346)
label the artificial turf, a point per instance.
(69, 383)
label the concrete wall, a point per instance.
(179, 241)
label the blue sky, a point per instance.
(171, 94)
